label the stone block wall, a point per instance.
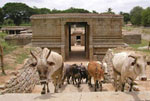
(19, 39)
(132, 39)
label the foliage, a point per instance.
(17, 12)
(146, 17)
(128, 28)
(94, 12)
(20, 58)
(8, 22)
(7, 47)
(70, 10)
(143, 43)
(2, 35)
(146, 30)
(109, 11)
(44, 11)
(1, 16)
(136, 15)
(36, 10)
(126, 17)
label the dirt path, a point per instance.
(11, 64)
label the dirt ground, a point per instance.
(11, 65)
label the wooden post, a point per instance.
(149, 45)
(2, 60)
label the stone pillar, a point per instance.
(63, 40)
(90, 41)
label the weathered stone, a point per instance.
(101, 32)
(20, 39)
(132, 38)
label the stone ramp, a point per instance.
(88, 96)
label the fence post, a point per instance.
(2, 59)
(149, 45)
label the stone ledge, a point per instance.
(89, 96)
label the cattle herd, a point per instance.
(126, 67)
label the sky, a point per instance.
(98, 5)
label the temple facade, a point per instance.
(102, 31)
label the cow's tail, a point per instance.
(96, 73)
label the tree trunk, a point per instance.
(2, 60)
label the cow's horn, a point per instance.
(48, 54)
(33, 55)
(133, 57)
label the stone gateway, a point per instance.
(102, 31)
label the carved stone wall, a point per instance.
(103, 31)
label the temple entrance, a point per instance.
(77, 40)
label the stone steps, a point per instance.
(86, 96)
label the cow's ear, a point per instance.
(50, 63)
(33, 64)
(148, 63)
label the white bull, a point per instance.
(49, 66)
(128, 66)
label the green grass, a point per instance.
(128, 28)
(7, 48)
(20, 59)
(143, 43)
(9, 67)
(146, 30)
(2, 35)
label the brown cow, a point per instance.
(95, 71)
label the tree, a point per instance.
(146, 17)
(136, 15)
(45, 11)
(70, 10)
(1, 16)
(109, 11)
(36, 10)
(94, 12)
(8, 22)
(126, 17)
(17, 12)
(56, 11)
(75, 10)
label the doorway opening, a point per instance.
(77, 33)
